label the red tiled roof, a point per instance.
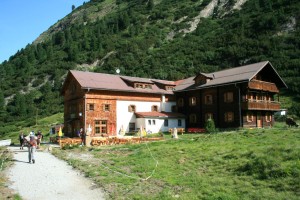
(155, 114)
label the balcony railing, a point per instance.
(261, 105)
(262, 85)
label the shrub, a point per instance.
(210, 126)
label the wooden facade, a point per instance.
(232, 101)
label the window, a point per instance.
(154, 108)
(100, 126)
(268, 117)
(228, 97)
(153, 122)
(131, 108)
(180, 102)
(179, 122)
(90, 106)
(166, 123)
(193, 101)
(229, 117)
(106, 107)
(249, 117)
(209, 116)
(143, 86)
(169, 87)
(193, 118)
(149, 122)
(131, 126)
(208, 99)
(148, 87)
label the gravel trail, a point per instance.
(49, 178)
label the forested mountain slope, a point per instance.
(169, 39)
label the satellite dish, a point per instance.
(118, 71)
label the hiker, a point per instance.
(39, 138)
(32, 144)
(78, 133)
(21, 139)
(82, 136)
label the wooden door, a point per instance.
(259, 120)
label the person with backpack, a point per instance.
(32, 145)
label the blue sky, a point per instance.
(22, 21)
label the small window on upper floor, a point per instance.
(193, 101)
(170, 87)
(142, 86)
(148, 86)
(90, 106)
(208, 99)
(131, 108)
(154, 108)
(228, 97)
(106, 107)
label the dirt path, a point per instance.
(49, 178)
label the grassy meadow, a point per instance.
(244, 164)
(13, 130)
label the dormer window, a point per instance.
(142, 86)
(170, 87)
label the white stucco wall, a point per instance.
(124, 117)
(159, 124)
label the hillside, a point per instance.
(168, 39)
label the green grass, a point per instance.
(248, 164)
(42, 124)
(238, 164)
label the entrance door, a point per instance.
(131, 126)
(259, 120)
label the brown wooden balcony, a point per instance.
(261, 105)
(262, 85)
